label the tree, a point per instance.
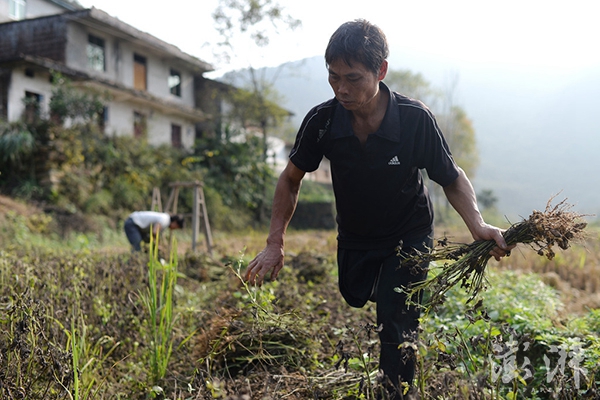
(234, 169)
(487, 199)
(257, 106)
(75, 105)
(257, 101)
(249, 18)
(413, 85)
(460, 134)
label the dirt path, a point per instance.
(8, 204)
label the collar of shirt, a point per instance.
(390, 126)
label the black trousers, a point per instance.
(375, 275)
(136, 235)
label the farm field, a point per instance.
(83, 318)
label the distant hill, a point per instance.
(538, 132)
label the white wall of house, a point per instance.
(4, 11)
(121, 121)
(39, 8)
(119, 56)
(119, 61)
(33, 9)
(159, 130)
(20, 84)
(76, 52)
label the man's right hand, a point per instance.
(284, 203)
(270, 259)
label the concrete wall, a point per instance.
(119, 55)
(119, 60)
(33, 9)
(20, 83)
(4, 11)
(159, 130)
(121, 120)
(40, 8)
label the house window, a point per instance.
(33, 102)
(95, 53)
(139, 125)
(175, 83)
(176, 136)
(16, 9)
(29, 73)
(139, 72)
(4, 84)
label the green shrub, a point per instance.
(511, 340)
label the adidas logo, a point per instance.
(394, 161)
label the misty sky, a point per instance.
(550, 34)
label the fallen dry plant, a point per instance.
(465, 264)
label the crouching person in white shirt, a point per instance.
(138, 224)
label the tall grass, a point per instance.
(158, 300)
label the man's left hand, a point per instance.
(489, 232)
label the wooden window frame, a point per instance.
(140, 72)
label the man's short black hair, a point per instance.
(358, 41)
(177, 219)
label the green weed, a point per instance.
(158, 300)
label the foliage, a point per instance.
(158, 299)
(256, 105)
(509, 345)
(412, 84)
(235, 169)
(16, 144)
(460, 134)
(66, 103)
(111, 176)
(250, 18)
(316, 192)
(487, 199)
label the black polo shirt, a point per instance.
(378, 187)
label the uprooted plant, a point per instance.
(466, 264)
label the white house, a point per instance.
(151, 86)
